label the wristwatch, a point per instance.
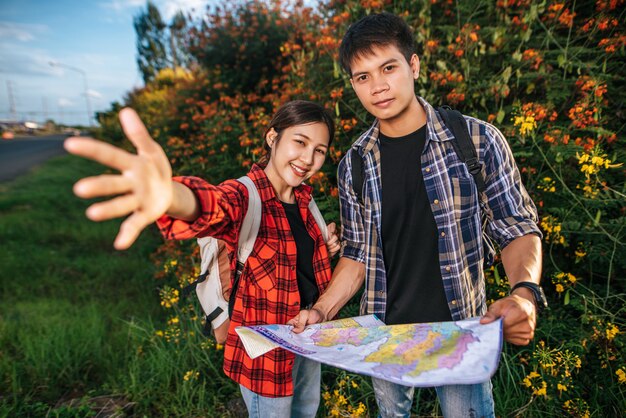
(540, 298)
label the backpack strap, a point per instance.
(358, 174)
(319, 219)
(463, 144)
(466, 151)
(251, 221)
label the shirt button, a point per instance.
(436, 201)
(292, 268)
(381, 293)
(448, 268)
(443, 234)
(427, 169)
(453, 302)
(297, 303)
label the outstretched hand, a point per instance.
(143, 189)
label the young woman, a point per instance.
(289, 266)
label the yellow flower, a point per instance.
(621, 376)
(611, 331)
(561, 387)
(559, 288)
(526, 124)
(542, 391)
(191, 375)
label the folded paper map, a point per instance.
(431, 354)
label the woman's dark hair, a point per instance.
(380, 29)
(297, 112)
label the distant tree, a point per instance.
(177, 31)
(151, 42)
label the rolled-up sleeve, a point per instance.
(514, 213)
(221, 209)
(352, 230)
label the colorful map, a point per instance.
(432, 354)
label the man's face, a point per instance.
(384, 83)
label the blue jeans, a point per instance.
(457, 401)
(307, 375)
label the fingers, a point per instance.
(104, 185)
(114, 208)
(518, 319)
(298, 322)
(101, 152)
(130, 230)
(333, 245)
(488, 318)
(305, 317)
(136, 131)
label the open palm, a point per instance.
(142, 189)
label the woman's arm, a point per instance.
(143, 189)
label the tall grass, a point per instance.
(78, 319)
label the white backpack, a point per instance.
(213, 286)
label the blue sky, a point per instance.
(95, 36)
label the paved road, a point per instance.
(20, 155)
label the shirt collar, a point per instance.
(266, 191)
(436, 130)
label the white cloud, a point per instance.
(19, 60)
(95, 94)
(20, 31)
(167, 8)
(63, 102)
(122, 5)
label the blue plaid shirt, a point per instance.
(455, 204)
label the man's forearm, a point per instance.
(347, 279)
(522, 262)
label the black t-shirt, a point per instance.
(409, 234)
(305, 246)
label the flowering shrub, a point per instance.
(548, 75)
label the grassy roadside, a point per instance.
(68, 300)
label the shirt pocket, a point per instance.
(465, 197)
(262, 265)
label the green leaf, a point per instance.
(500, 116)
(496, 276)
(506, 74)
(566, 298)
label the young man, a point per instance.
(416, 236)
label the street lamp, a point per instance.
(69, 67)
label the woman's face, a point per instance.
(296, 156)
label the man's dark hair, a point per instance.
(380, 30)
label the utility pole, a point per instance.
(11, 102)
(84, 74)
(45, 108)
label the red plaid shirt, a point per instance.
(268, 288)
